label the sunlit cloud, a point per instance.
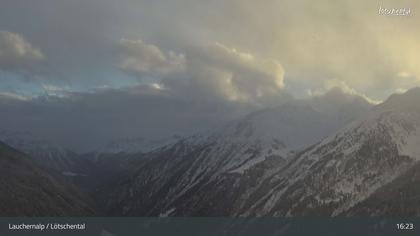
(17, 55)
(209, 72)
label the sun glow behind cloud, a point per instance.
(196, 63)
(345, 40)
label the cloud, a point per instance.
(343, 88)
(7, 96)
(83, 121)
(141, 59)
(207, 72)
(346, 39)
(17, 55)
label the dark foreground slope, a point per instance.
(27, 189)
(400, 198)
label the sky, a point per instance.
(78, 71)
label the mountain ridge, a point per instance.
(30, 190)
(194, 171)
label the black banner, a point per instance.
(209, 226)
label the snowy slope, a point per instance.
(347, 167)
(192, 176)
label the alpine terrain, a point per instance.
(224, 171)
(28, 189)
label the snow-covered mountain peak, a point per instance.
(351, 164)
(335, 99)
(273, 132)
(292, 125)
(400, 117)
(408, 101)
(234, 170)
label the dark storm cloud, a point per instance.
(84, 120)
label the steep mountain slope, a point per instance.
(346, 168)
(29, 190)
(399, 198)
(214, 173)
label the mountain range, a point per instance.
(252, 170)
(335, 155)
